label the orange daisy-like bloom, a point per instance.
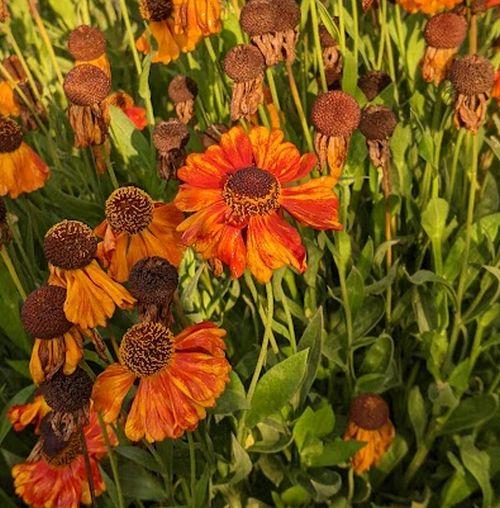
(170, 39)
(22, 415)
(58, 343)
(55, 476)
(369, 422)
(179, 377)
(92, 296)
(240, 190)
(496, 87)
(125, 102)
(22, 170)
(428, 6)
(135, 228)
(8, 102)
(87, 45)
(197, 16)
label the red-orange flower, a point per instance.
(125, 102)
(240, 190)
(496, 87)
(56, 477)
(179, 377)
(22, 415)
(427, 6)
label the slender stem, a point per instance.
(192, 464)
(272, 87)
(112, 461)
(12, 272)
(317, 45)
(473, 35)
(109, 167)
(386, 180)
(130, 35)
(298, 104)
(88, 467)
(454, 164)
(383, 25)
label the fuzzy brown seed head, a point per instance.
(182, 89)
(472, 75)
(68, 394)
(244, 63)
(153, 280)
(372, 83)
(146, 348)
(335, 114)
(86, 43)
(326, 40)
(377, 122)
(260, 17)
(369, 411)
(155, 10)
(55, 450)
(11, 135)
(170, 135)
(213, 134)
(70, 244)
(129, 209)
(43, 313)
(86, 85)
(446, 30)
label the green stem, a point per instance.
(272, 87)
(192, 464)
(317, 45)
(454, 165)
(12, 272)
(130, 35)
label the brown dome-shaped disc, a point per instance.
(336, 114)
(472, 75)
(369, 411)
(155, 10)
(265, 16)
(11, 135)
(325, 38)
(244, 63)
(182, 89)
(377, 122)
(86, 84)
(153, 280)
(446, 30)
(170, 135)
(86, 43)
(373, 83)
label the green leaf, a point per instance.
(434, 218)
(318, 424)
(470, 413)
(241, 465)
(478, 464)
(378, 356)
(276, 387)
(336, 452)
(296, 496)
(138, 483)
(139, 456)
(417, 413)
(233, 399)
(20, 398)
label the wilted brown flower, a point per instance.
(182, 91)
(473, 78)
(444, 34)
(373, 83)
(4, 11)
(170, 139)
(332, 58)
(271, 25)
(245, 65)
(87, 45)
(335, 116)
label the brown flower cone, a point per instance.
(247, 97)
(436, 64)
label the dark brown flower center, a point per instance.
(55, 450)
(153, 280)
(86, 85)
(155, 10)
(171, 135)
(11, 135)
(68, 394)
(472, 75)
(70, 244)
(377, 122)
(86, 43)
(43, 313)
(146, 348)
(251, 191)
(335, 114)
(369, 411)
(129, 209)
(244, 63)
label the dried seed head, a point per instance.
(373, 83)
(472, 75)
(155, 10)
(55, 450)
(68, 394)
(369, 411)
(11, 135)
(86, 85)
(445, 30)
(260, 17)
(213, 134)
(182, 89)
(129, 209)
(244, 63)
(146, 348)
(170, 135)
(43, 314)
(326, 40)
(86, 43)
(335, 114)
(70, 245)
(377, 122)
(153, 280)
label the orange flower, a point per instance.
(22, 170)
(92, 296)
(56, 476)
(496, 87)
(369, 422)
(8, 103)
(240, 190)
(179, 377)
(200, 17)
(135, 228)
(123, 101)
(428, 6)
(22, 415)
(58, 343)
